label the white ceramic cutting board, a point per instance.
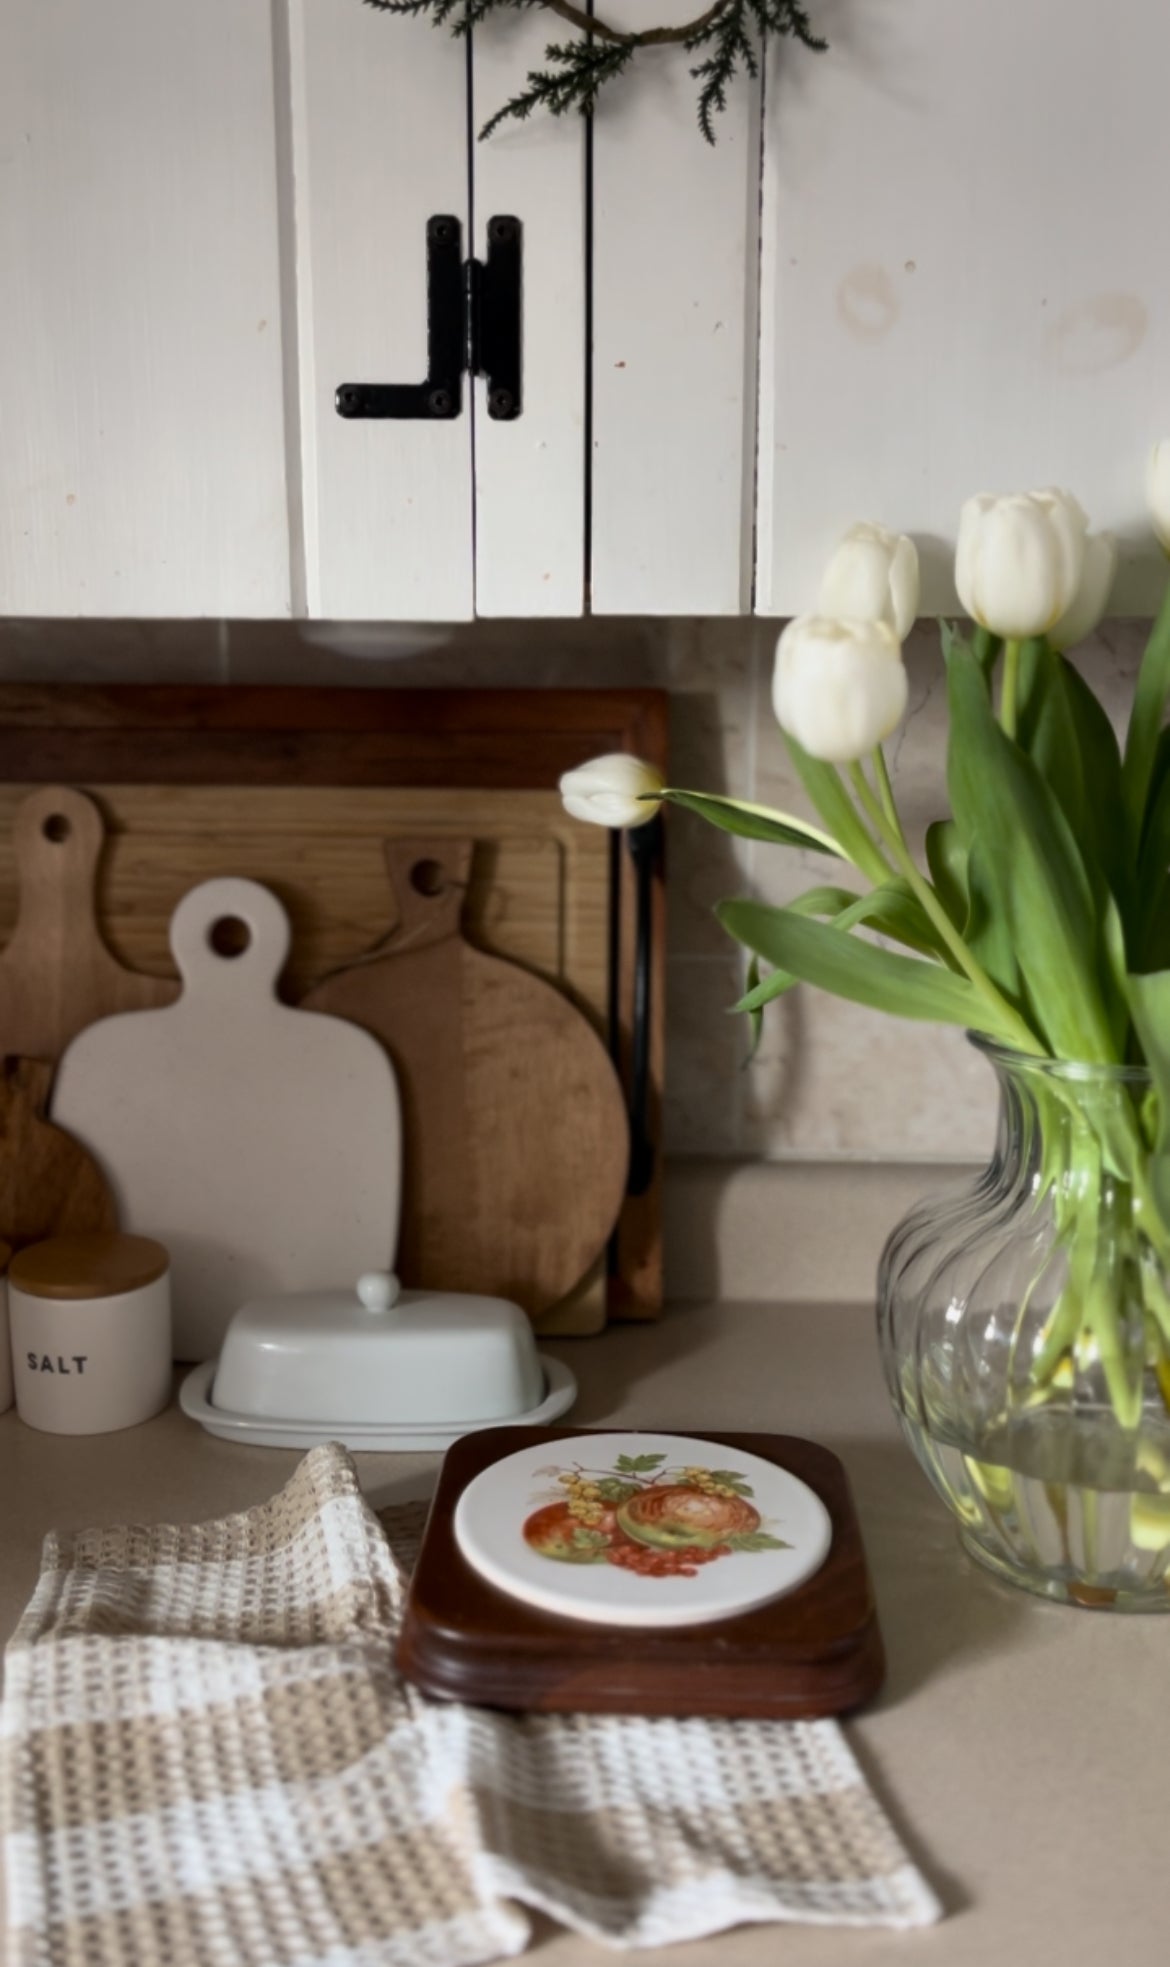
(260, 1144)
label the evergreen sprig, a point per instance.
(728, 33)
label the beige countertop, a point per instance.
(1022, 1749)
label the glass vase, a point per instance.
(1024, 1321)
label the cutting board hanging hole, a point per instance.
(428, 878)
(56, 828)
(229, 937)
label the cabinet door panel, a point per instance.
(530, 472)
(379, 141)
(142, 467)
(674, 339)
(963, 287)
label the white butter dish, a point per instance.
(375, 1367)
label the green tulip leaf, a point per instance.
(1149, 1002)
(1145, 720)
(1150, 912)
(946, 857)
(986, 931)
(820, 954)
(750, 822)
(755, 1012)
(765, 990)
(987, 649)
(827, 790)
(1036, 881)
(1069, 738)
(892, 910)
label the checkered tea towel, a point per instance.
(207, 1759)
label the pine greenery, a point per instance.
(727, 36)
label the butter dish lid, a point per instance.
(379, 1354)
(78, 1267)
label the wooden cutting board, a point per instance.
(516, 1144)
(56, 974)
(261, 1145)
(49, 1185)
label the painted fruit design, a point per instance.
(644, 1517)
(674, 1517)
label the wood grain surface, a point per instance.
(815, 1652)
(56, 974)
(49, 1184)
(515, 1133)
(298, 788)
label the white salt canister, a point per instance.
(6, 1393)
(91, 1332)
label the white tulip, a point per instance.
(1158, 490)
(1092, 596)
(839, 686)
(1019, 560)
(873, 576)
(609, 790)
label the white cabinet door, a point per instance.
(530, 471)
(380, 146)
(675, 234)
(964, 286)
(142, 467)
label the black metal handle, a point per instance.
(473, 324)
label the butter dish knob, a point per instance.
(379, 1290)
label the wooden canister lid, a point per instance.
(88, 1266)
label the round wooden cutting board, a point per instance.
(515, 1139)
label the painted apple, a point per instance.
(677, 1518)
(554, 1532)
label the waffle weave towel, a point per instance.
(207, 1757)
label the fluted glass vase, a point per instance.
(1024, 1321)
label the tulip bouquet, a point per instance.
(1039, 919)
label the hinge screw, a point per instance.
(439, 402)
(501, 403)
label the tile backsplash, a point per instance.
(830, 1081)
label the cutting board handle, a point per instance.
(214, 958)
(27, 1079)
(57, 835)
(429, 877)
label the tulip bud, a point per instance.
(1158, 491)
(608, 790)
(1092, 596)
(839, 686)
(1019, 560)
(873, 576)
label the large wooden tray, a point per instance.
(816, 1652)
(299, 787)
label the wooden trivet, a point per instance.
(815, 1651)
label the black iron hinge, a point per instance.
(473, 328)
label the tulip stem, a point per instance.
(1010, 686)
(1008, 1019)
(882, 774)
